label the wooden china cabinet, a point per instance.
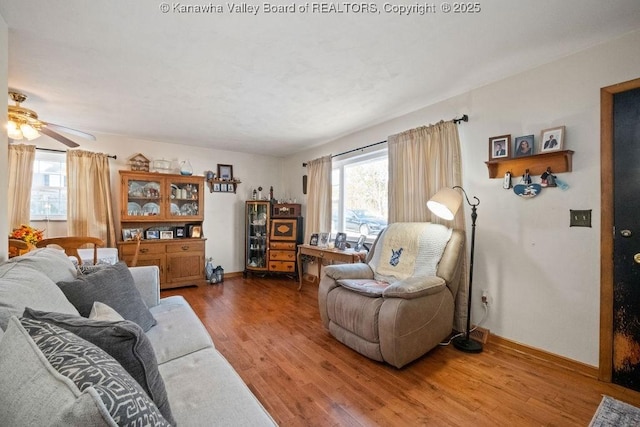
(168, 211)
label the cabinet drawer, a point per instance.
(287, 246)
(186, 246)
(282, 255)
(145, 248)
(282, 266)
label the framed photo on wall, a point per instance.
(523, 146)
(552, 139)
(225, 172)
(499, 147)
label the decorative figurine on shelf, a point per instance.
(548, 179)
(526, 178)
(259, 193)
(186, 168)
(254, 196)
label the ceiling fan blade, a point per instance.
(75, 132)
(66, 141)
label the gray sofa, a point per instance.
(201, 386)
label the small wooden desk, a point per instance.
(329, 254)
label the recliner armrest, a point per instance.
(349, 271)
(415, 287)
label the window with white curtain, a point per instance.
(359, 195)
(49, 186)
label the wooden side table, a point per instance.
(328, 254)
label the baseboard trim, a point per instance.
(545, 356)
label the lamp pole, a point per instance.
(465, 343)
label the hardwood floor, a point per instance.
(272, 335)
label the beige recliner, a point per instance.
(400, 303)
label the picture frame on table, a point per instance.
(499, 147)
(341, 241)
(225, 172)
(523, 146)
(552, 139)
(360, 243)
(166, 234)
(152, 234)
(314, 239)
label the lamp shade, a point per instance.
(13, 130)
(445, 203)
(29, 131)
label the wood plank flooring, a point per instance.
(272, 335)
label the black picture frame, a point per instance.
(179, 232)
(225, 172)
(314, 239)
(341, 241)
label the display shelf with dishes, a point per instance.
(168, 206)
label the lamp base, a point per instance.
(467, 345)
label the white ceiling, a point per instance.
(276, 83)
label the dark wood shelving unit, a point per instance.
(557, 161)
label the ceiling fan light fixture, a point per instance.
(13, 131)
(29, 131)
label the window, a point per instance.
(359, 192)
(49, 186)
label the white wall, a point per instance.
(4, 178)
(224, 212)
(542, 276)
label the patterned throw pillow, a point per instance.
(90, 367)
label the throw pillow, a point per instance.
(113, 286)
(89, 367)
(101, 311)
(32, 393)
(125, 342)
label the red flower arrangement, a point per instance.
(28, 234)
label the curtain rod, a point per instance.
(464, 118)
(64, 151)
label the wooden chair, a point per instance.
(18, 247)
(72, 243)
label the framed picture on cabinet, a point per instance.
(166, 234)
(225, 172)
(179, 232)
(552, 139)
(126, 234)
(195, 231)
(152, 234)
(499, 147)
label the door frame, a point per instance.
(607, 223)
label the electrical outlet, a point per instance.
(485, 297)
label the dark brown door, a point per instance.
(626, 241)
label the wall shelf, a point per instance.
(557, 161)
(219, 185)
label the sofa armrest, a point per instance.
(349, 271)
(414, 287)
(147, 280)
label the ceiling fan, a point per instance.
(24, 123)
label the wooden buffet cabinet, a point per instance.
(169, 206)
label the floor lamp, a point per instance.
(445, 203)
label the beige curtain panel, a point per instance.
(21, 158)
(89, 209)
(422, 161)
(318, 218)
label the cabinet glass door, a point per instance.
(144, 199)
(257, 233)
(184, 198)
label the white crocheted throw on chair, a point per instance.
(408, 249)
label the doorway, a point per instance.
(620, 235)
